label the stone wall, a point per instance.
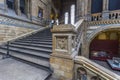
(43, 4)
(11, 32)
(62, 68)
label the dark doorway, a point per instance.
(10, 4)
(22, 6)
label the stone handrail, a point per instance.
(78, 40)
(97, 69)
(96, 17)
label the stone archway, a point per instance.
(94, 34)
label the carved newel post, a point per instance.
(61, 61)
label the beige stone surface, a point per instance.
(61, 60)
(62, 67)
(43, 4)
(10, 32)
(1, 1)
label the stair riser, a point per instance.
(45, 43)
(38, 46)
(29, 59)
(23, 53)
(31, 49)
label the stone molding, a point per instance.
(17, 22)
(103, 22)
(63, 28)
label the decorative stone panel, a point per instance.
(61, 61)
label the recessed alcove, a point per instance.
(105, 45)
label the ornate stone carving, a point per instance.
(62, 43)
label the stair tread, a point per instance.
(31, 59)
(10, 68)
(35, 42)
(32, 48)
(29, 52)
(27, 44)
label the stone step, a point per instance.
(34, 49)
(29, 58)
(35, 60)
(31, 48)
(41, 55)
(33, 45)
(38, 40)
(39, 36)
(13, 69)
(34, 42)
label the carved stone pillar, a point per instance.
(61, 61)
(105, 14)
(17, 7)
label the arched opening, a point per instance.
(114, 5)
(96, 6)
(105, 45)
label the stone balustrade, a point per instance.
(114, 14)
(103, 22)
(111, 15)
(92, 70)
(96, 17)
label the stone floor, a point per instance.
(105, 64)
(11, 69)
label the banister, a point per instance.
(98, 69)
(79, 30)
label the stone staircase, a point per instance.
(34, 49)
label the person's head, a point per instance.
(95, 78)
(82, 71)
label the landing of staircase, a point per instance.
(11, 69)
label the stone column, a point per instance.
(61, 61)
(89, 10)
(105, 14)
(5, 5)
(27, 4)
(78, 9)
(17, 7)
